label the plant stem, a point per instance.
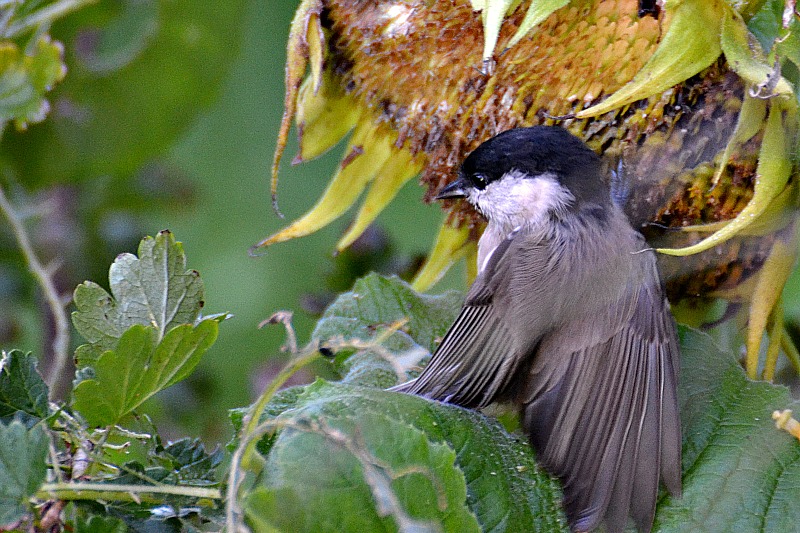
(250, 433)
(114, 492)
(45, 15)
(45, 280)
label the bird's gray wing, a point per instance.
(478, 355)
(603, 414)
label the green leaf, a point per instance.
(154, 289)
(100, 524)
(21, 386)
(140, 367)
(363, 319)
(766, 24)
(377, 301)
(740, 473)
(25, 78)
(432, 458)
(187, 462)
(22, 468)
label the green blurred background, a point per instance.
(167, 119)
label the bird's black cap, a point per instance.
(538, 150)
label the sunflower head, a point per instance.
(695, 122)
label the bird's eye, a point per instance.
(480, 180)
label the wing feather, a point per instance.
(606, 421)
(478, 356)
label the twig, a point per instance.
(45, 280)
(249, 434)
(285, 318)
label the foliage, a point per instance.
(347, 455)
(22, 467)
(139, 74)
(147, 337)
(333, 455)
(733, 455)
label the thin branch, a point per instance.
(250, 434)
(45, 280)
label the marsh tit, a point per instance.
(567, 318)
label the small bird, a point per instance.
(567, 318)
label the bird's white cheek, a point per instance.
(516, 200)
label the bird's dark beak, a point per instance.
(455, 189)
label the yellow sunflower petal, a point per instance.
(766, 295)
(775, 325)
(367, 152)
(395, 173)
(745, 57)
(472, 261)
(690, 45)
(296, 62)
(315, 39)
(323, 118)
(537, 13)
(450, 246)
(493, 15)
(781, 212)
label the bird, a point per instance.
(566, 319)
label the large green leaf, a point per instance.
(140, 367)
(154, 289)
(147, 336)
(364, 317)
(377, 300)
(22, 468)
(353, 448)
(21, 387)
(740, 472)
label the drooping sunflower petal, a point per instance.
(297, 53)
(472, 262)
(745, 57)
(451, 245)
(769, 286)
(315, 39)
(493, 14)
(537, 13)
(323, 118)
(690, 45)
(390, 179)
(772, 174)
(775, 325)
(749, 122)
(366, 154)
